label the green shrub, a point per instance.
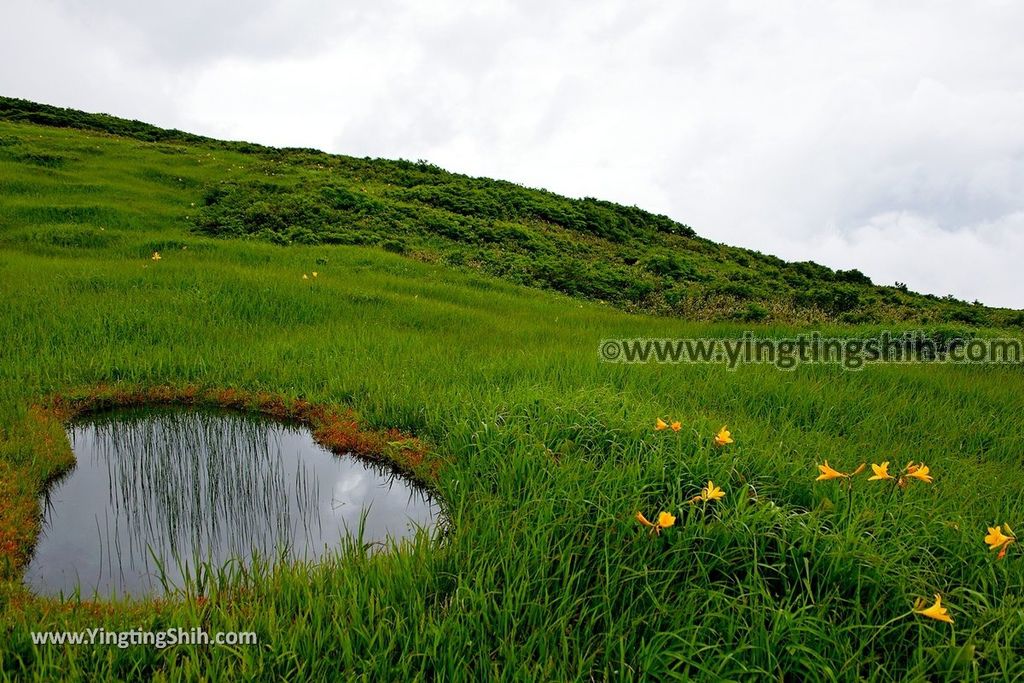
(669, 265)
(754, 313)
(834, 300)
(737, 290)
(394, 246)
(853, 276)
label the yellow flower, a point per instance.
(315, 274)
(997, 539)
(712, 492)
(676, 426)
(659, 425)
(919, 471)
(305, 277)
(708, 493)
(881, 471)
(665, 520)
(828, 473)
(723, 437)
(156, 256)
(936, 611)
(643, 520)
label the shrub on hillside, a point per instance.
(833, 300)
(853, 276)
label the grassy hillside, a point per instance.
(544, 573)
(586, 247)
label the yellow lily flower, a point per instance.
(936, 611)
(665, 520)
(828, 473)
(305, 277)
(724, 437)
(660, 425)
(881, 472)
(996, 539)
(708, 493)
(156, 256)
(676, 426)
(712, 492)
(919, 471)
(315, 274)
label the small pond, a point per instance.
(156, 493)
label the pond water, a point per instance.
(157, 493)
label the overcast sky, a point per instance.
(886, 136)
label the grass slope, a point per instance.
(585, 247)
(544, 574)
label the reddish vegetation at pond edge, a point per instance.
(336, 429)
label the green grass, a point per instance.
(586, 248)
(544, 574)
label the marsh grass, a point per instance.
(549, 453)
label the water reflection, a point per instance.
(172, 488)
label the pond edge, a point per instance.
(335, 428)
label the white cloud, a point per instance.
(881, 136)
(972, 262)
